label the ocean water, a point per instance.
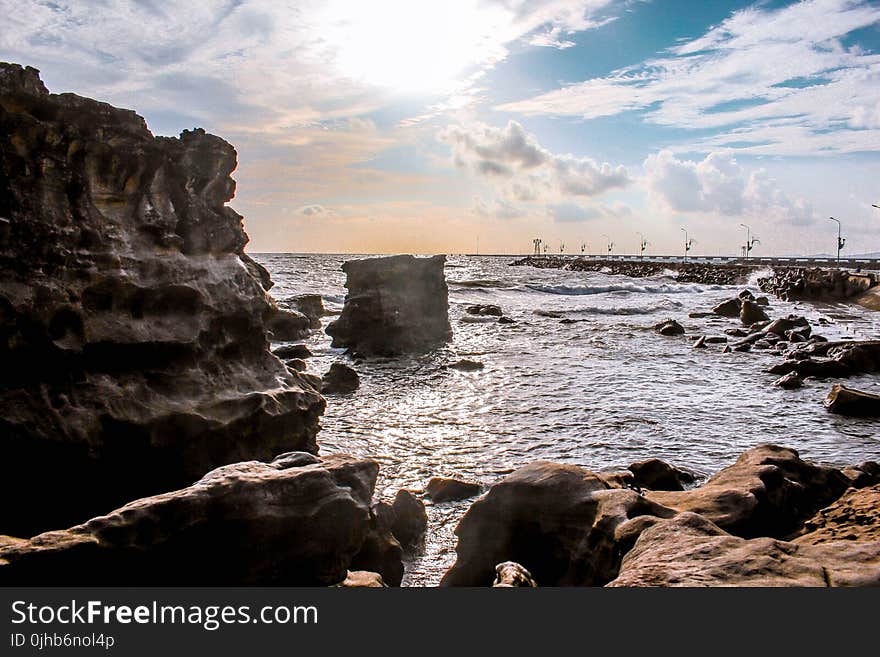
(601, 392)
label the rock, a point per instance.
(762, 301)
(655, 474)
(746, 295)
(783, 325)
(340, 379)
(564, 524)
(362, 579)
(864, 474)
(485, 309)
(380, 552)
(445, 489)
(817, 284)
(296, 521)
(700, 343)
(669, 327)
(506, 320)
(466, 365)
(310, 305)
(848, 401)
(769, 491)
(729, 308)
(293, 351)
(410, 518)
(831, 359)
(716, 339)
(297, 364)
(688, 550)
(789, 381)
(736, 332)
(288, 325)
(510, 575)
(742, 346)
(394, 305)
(133, 327)
(854, 517)
(752, 313)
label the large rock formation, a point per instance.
(298, 520)
(394, 305)
(132, 325)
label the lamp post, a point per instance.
(750, 241)
(688, 243)
(610, 245)
(841, 241)
(643, 244)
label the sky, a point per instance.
(479, 125)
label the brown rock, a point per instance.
(655, 474)
(410, 518)
(445, 489)
(510, 575)
(854, 517)
(848, 401)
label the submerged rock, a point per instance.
(446, 489)
(848, 401)
(298, 520)
(133, 328)
(340, 379)
(751, 313)
(789, 382)
(394, 305)
(465, 365)
(485, 309)
(669, 327)
(729, 308)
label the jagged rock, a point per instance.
(293, 351)
(465, 365)
(362, 579)
(864, 474)
(297, 364)
(817, 284)
(340, 379)
(700, 343)
(410, 518)
(655, 474)
(485, 309)
(769, 491)
(566, 525)
(729, 308)
(688, 550)
(848, 401)
(310, 305)
(783, 325)
(298, 520)
(831, 359)
(394, 305)
(854, 517)
(133, 328)
(751, 313)
(669, 327)
(446, 489)
(789, 381)
(511, 575)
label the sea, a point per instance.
(580, 377)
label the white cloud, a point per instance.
(524, 170)
(767, 81)
(718, 184)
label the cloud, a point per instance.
(719, 185)
(778, 81)
(312, 210)
(523, 169)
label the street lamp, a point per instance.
(643, 244)
(610, 245)
(750, 241)
(688, 243)
(840, 240)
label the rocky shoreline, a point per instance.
(151, 436)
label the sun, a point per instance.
(411, 46)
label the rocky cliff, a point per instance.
(132, 325)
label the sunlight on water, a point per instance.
(585, 382)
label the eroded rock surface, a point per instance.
(298, 520)
(132, 325)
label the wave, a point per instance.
(663, 288)
(611, 310)
(481, 283)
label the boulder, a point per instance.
(446, 489)
(689, 550)
(789, 382)
(848, 401)
(310, 305)
(298, 520)
(485, 309)
(133, 327)
(854, 517)
(511, 575)
(293, 351)
(729, 308)
(769, 491)
(655, 474)
(669, 327)
(465, 365)
(286, 325)
(340, 379)
(394, 305)
(751, 313)
(410, 519)
(380, 551)
(565, 524)
(297, 364)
